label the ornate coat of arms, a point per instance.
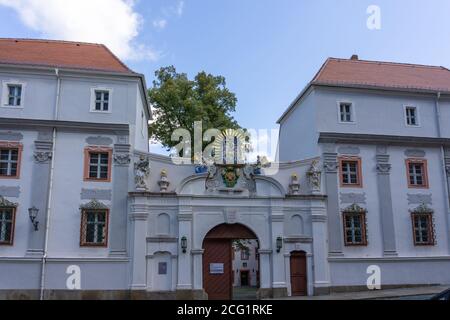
(230, 176)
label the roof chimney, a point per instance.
(354, 57)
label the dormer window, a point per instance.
(346, 112)
(101, 100)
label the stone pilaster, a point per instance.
(331, 167)
(185, 259)
(279, 272)
(40, 187)
(118, 217)
(385, 202)
(320, 249)
(197, 256)
(139, 216)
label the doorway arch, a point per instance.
(299, 281)
(217, 259)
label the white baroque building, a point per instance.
(87, 212)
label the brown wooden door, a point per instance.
(298, 274)
(218, 286)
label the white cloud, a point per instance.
(110, 22)
(160, 23)
(180, 8)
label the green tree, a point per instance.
(178, 102)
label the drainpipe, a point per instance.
(438, 115)
(50, 188)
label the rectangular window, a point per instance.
(7, 217)
(101, 100)
(423, 229)
(94, 228)
(346, 112)
(355, 229)
(351, 172)
(98, 164)
(417, 173)
(411, 116)
(14, 95)
(245, 254)
(10, 156)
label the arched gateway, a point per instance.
(185, 222)
(217, 259)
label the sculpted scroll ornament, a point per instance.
(122, 158)
(42, 156)
(141, 173)
(384, 167)
(331, 166)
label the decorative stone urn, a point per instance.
(163, 182)
(294, 187)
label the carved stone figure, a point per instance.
(141, 173)
(211, 182)
(315, 177)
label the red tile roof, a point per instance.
(354, 72)
(60, 54)
(378, 75)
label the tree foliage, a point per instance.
(178, 102)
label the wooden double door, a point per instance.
(217, 259)
(298, 274)
(217, 269)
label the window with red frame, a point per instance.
(94, 228)
(417, 173)
(10, 155)
(350, 172)
(7, 220)
(97, 164)
(423, 229)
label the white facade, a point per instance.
(159, 220)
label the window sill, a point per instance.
(12, 107)
(10, 177)
(103, 112)
(96, 180)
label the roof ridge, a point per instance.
(390, 63)
(51, 41)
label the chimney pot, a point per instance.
(354, 57)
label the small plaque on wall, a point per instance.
(162, 268)
(216, 268)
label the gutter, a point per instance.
(50, 188)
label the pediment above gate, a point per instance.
(231, 180)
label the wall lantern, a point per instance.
(33, 212)
(279, 244)
(184, 244)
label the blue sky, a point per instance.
(267, 50)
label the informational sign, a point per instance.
(216, 268)
(162, 268)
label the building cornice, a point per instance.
(15, 123)
(352, 138)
